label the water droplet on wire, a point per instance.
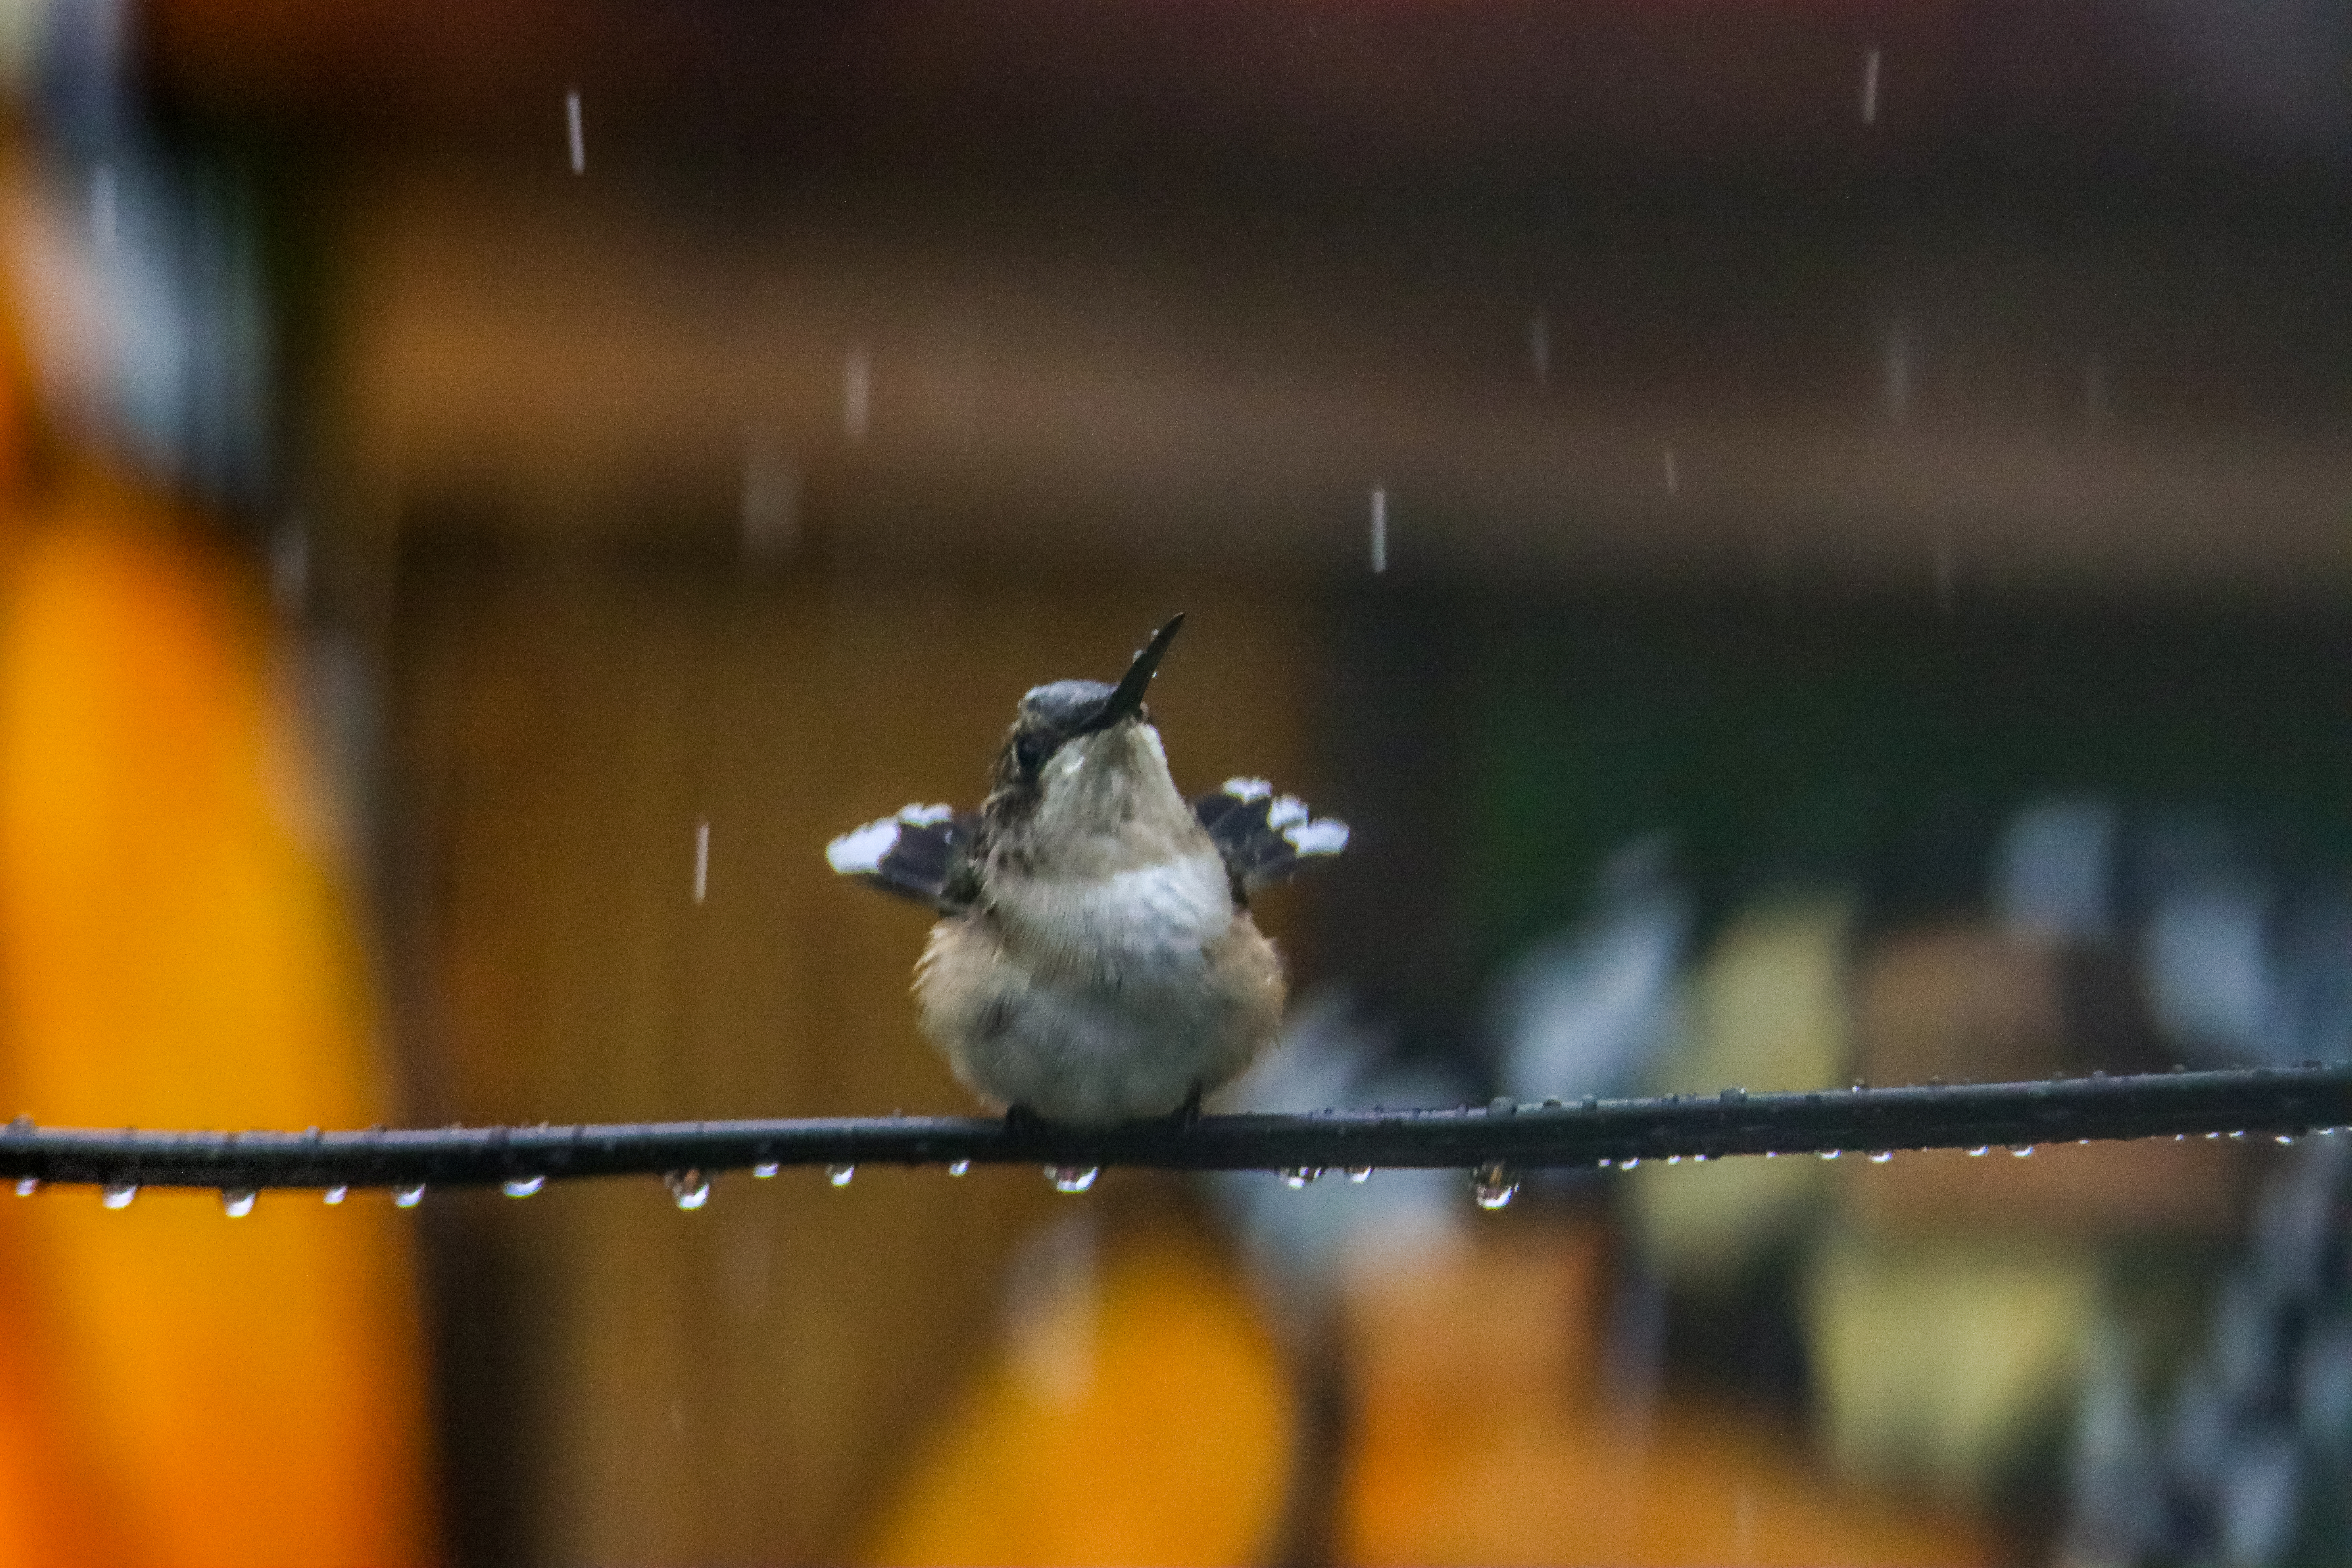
(690, 1188)
(1492, 1186)
(523, 1186)
(765, 1171)
(1295, 1177)
(117, 1194)
(1072, 1178)
(1359, 1175)
(335, 1195)
(27, 1185)
(959, 1167)
(841, 1175)
(2022, 1150)
(1880, 1157)
(409, 1196)
(238, 1202)
(1979, 1152)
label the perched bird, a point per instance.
(1095, 960)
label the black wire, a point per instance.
(2259, 1102)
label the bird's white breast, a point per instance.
(1168, 909)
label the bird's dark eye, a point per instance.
(1029, 752)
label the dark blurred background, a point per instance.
(1808, 540)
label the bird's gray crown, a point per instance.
(1063, 705)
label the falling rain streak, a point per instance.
(577, 138)
(857, 392)
(105, 208)
(701, 860)
(1869, 87)
(1674, 474)
(1380, 528)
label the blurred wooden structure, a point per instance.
(625, 1382)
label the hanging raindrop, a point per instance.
(523, 1186)
(117, 1194)
(1295, 1177)
(1492, 1187)
(690, 1188)
(27, 1185)
(840, 1175)
(959, 1167)
(1832, 1154)
(1359, 1175)
(238, 1202)
(2022, 1150)
(336, 1194)
(1881, 1156)
(1072, 1178)
(1979, 1152)
(409, 1196)
(765, 1171)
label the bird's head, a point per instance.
(1082, 758)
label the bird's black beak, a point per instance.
(1126, 700)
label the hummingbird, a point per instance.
(1094, 961)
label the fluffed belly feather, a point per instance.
(1097, 1030)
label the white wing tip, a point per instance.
(1285, 811)
(1248, 790)
(1324, 838)
(860, 853)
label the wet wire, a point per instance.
(2262, 1102)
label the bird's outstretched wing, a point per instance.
(918, 854)
(1263, 836)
